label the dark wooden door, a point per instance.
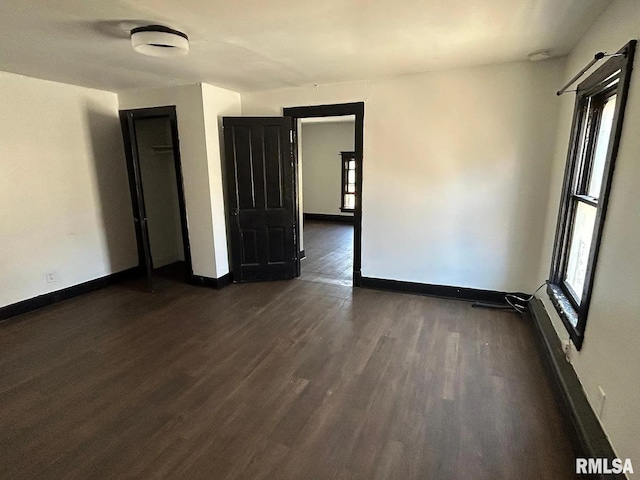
(260, 173)
(127, 120)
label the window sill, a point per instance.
(567, 313)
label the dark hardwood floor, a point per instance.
(281, 380)
(329, 252)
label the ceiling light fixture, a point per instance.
(159, 41)
(539, 55)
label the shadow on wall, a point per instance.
(532, 179)
(112, 188)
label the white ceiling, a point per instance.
(248, 45)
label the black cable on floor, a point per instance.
(514, 301)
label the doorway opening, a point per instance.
(157, 193)
(326, 198)
(329, 144)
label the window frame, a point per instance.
(591, 96)
(346, 157)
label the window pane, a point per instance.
(580, 247)
(351, 177)
(602, 144)
(611, 80)
(352, 164)
(349, 200)
(583, 140)
(351, 188)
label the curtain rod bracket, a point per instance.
(596, 58)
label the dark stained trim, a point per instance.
(342, 109)
(127, 117)
(302, 254)
(216, 283)
(321, 217)
(585, 431)
(444, 291)
(66, 293)
(137, 198)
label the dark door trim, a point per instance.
(337, 110)
(135, 185)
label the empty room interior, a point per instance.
(319, 240)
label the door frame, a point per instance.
(127, 117)
(336, 110)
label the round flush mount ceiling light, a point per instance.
(539, 55)
(159, 41)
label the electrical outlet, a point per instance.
(51, 277)
(567, 350)
(601, 398)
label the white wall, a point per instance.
(610, 355)
(456, 167)
(200, 156)
(218, 103)
(322, 165)
(160, 190)
(64, 194)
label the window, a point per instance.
(348, 201)
(595, 135)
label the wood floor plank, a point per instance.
(329, 253)
(282, 380)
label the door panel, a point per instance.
(260, 198)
